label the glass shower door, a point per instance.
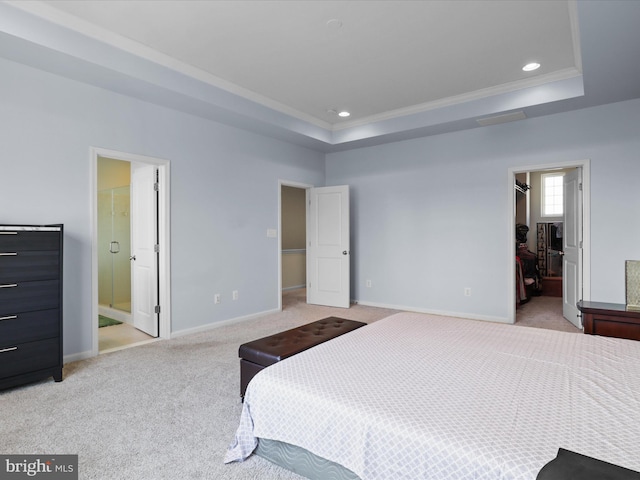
(114, 248)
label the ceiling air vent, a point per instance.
(503, 118)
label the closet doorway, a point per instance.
(551, 273)
(314, 251)
(130, 250)
(292, 234)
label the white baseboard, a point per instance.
(179, 333)
(231, 321)
(295, 287)
(472, 316)
(114, 313)
(74, 357)
(222, 323)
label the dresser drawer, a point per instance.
(29, 265)
(28, 327)
(26, 357)
(20, 241)
(29, 296)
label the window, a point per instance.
(552, 190)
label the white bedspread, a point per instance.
(418, 396)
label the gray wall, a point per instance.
(224, 192)
(429, 216)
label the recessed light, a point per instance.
(530, 67)
(340, 113)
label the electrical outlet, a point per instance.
(234, 295)
(368, 283)
(216, 298)
(467, 292)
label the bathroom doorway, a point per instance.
(114, 240)
(116, 328)
(130, 250)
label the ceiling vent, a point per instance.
(504, 118)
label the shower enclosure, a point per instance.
(114, 251)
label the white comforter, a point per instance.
(418, 396)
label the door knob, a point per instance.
(345, 253)
(132, 257)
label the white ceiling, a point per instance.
(398, 66)
(385, 58)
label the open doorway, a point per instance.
(293, 231)
(130, 250)
(115, 325)
(547, 283)
(319, 249)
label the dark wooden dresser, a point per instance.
(610, 320)
(30, 303)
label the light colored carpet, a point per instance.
(544, 312)
(164, 410)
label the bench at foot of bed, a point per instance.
(259, 354)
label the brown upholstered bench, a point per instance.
(259, 354)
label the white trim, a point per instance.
(223, 323)
(108, 37)
(295, 287)
(180, 333)
(586, 227)
(575, 33)
(164, 223)
(293, 251)
(114, 313)
(164, 229)
(502, 89)
(285, 183)
(76, 357)
(105, 36)
(472, 316)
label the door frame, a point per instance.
(586, 227)
(164, 237)
(287, 183)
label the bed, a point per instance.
(417, 396)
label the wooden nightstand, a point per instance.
(610, 320)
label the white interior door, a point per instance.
(328, 255)
(144, 266)
(572, 247)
